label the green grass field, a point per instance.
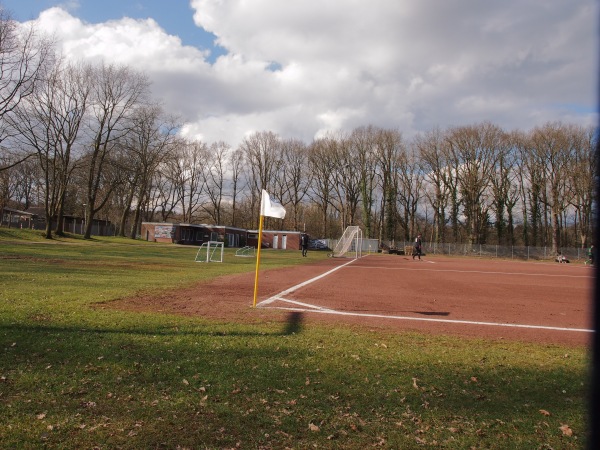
(74, 376)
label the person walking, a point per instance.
(304, 244)
(417, 247)
(590, 255)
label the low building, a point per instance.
(192, 234)
(14, 218)
(277, 239)
(35, 219)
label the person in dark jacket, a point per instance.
(304, 244)
(417, 247)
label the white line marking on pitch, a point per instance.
(306, 305)
(322, 310)
(317, 309)
(298, 286)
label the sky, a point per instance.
(307, 68)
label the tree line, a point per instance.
(89, 139)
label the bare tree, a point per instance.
(214, 173)
(19, 183)
(475, 150)
(49, 122)
(389, 146)
(186, 175)
(24, 60)
(363, 142)
(262, 153)
(552, 145)
(116, 92)
(166, 193)
(295, 177)
(581, 185)
(347, 178)
(322, 163)
(530, 183)
(238, 181)
(431, 149)
(148, 141)
(505, 190)
(410, 191)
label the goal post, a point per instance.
(350, 244)
(211, 251)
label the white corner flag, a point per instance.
(269, 208)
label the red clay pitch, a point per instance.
(480, 298)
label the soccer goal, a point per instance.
(246, 252)
(210, 251)
(350, 244)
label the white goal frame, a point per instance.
(211, 251)
(350, 242)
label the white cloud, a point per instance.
(301, 67)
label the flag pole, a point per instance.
(260, 233)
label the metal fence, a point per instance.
(477, 250)
(501, 251)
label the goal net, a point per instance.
(210, 251)
(350, 244)
(246, 252)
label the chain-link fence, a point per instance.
(488, 251)
(501, 251)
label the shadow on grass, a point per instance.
(294, 323)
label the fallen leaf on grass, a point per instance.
(566, 429)
(313, 427)
(415, 385)
(41, 416)
(544, 412)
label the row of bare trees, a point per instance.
(89, 140)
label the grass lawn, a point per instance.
(74, 376)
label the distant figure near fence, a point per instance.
(417, 247)
(304, 244)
